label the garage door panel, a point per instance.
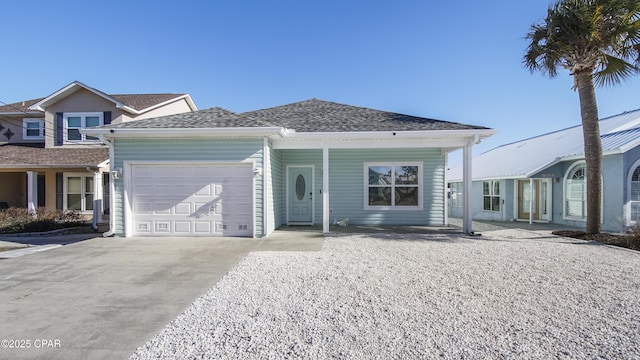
(183, 208)
(182, 227)
(204, 191)
(203, 227)
(192, 200)
(162, 227)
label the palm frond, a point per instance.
(613, 71)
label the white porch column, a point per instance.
(467, 181)
(325, 190)
(530, 200)
(32, 191)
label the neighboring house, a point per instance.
(44, 158)
(214, 172)
(542, 179)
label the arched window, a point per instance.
(634, 198)
(575, 192)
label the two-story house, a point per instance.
(44, 159)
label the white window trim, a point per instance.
(84, 191)
(492, 195)
(393, 185)
(632, 169)
(40, 122)
(564, 193)
(83, 125)
(569, 171)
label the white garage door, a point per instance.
(192, 200)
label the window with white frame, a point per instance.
(393, 186)
(73, 122)
(33, 129)
(78, 192)
(634, 198)
(491, 195)
(575, 192)
(455, 194)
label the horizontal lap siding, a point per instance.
(275, 189)
(186, 149)
(347, 194)
(346, 184)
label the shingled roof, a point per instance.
(324, 116)
(134, 101)
(144, 101)
(29, 156)
(305, 116)
(203, 119)
(19, 107)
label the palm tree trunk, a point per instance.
(592, 148)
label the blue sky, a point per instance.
(458, 61)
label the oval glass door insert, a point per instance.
(300, 187)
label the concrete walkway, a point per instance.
(103, 297)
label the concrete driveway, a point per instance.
(104, 297)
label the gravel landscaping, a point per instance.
(506, 294)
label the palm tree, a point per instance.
(598, 42)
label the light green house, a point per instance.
(214, 172)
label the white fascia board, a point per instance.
(449, 139)
(191, 132)
(42, 104)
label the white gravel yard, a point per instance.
(506, 294)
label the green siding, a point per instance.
(346, 184)
(278, 201)
(187, 149)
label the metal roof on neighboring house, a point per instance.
(524, 158)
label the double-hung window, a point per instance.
(634, 196)
(33, 129)
(491, 195)
(78, 192)
(73, 122)
(575, 204)
(393, 186)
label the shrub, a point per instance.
(633, 241)
(16, 220)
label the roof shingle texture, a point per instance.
(19, 107)
(324, 116)
(202, 119)
(135, 101)
(25, 156)
(143, 101)
(305, 116)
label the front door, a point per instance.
(538, 199)
(300, 195)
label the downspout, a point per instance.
(112, 190)
(98, 197)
